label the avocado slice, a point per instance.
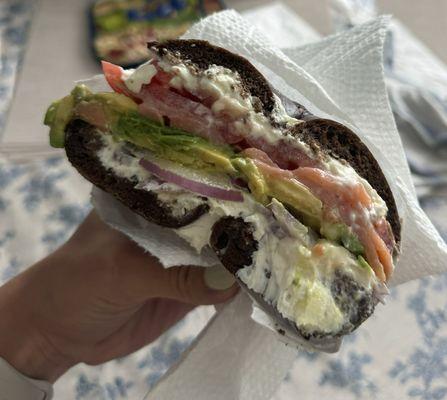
(173, 144)
(57, 117)
(341, 233)
(299, 197)
(255, 179)
(290, 192)
(62, 111)
(363, 263)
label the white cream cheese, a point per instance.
(134, 79)
(285, 269)
(305, 292)
(113, 157)
(179, 202)
(295, 274)
(224, 87)
(345, 172)
(194, 232)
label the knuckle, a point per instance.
(181, 283)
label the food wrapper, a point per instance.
(236, 357)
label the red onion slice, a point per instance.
(193, 186)
(288, 222)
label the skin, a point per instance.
(96, 298)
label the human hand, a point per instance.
(96, 298)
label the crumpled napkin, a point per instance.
(416, 81)
(234, 358)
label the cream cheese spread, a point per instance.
(113, 156)
(293, 273)
(134, 79)
(345, 172)
(292, 269)
(224, 87)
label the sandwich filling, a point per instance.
(193, 135)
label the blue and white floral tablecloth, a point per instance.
(400, 353)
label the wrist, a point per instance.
(22, 343)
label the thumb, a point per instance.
(197, 285)
(143, 277)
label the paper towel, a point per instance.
(162, 242)
(234, 357)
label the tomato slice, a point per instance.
(113, 74)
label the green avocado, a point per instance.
(173, 144)
(81, 92)
(290, 192)
(341, 233)
(299, 197)
(363, 263)
(109, 105)
(114, 103)
(57, 117)
(255, 179)
(62, 111)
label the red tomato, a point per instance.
(113, 74)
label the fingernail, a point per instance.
(218, 278)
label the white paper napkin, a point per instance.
(280, 23)
(234, 358)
